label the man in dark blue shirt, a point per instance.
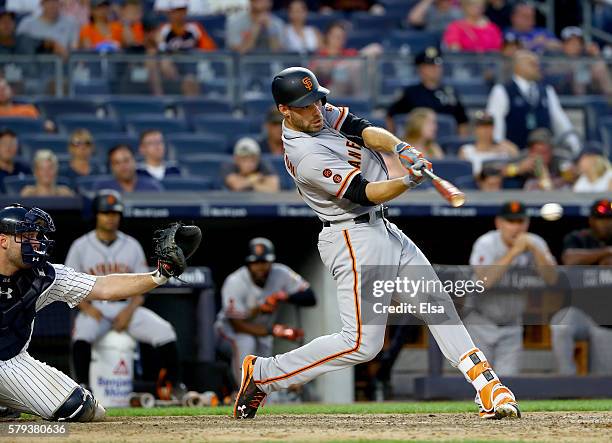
(123, 166)
(9, 165)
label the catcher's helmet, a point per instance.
(260, 249)
(108, 200)
(297, 87)
(17, 219)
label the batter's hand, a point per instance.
(272, 301)
(287, 332)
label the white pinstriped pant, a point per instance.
(34, 387)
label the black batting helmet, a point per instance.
(297, 87)
(260, 249)
(17, 219)
(108, 200)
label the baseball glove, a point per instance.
(172, 247)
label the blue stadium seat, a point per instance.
(86, 184)
(452, 143)
(412, 41)
(58, 143)
(188, 144)
(257, 106)
(595, 107)
(21, 125)
(231, 126)
(188, 184)
(322, 21)
(475, 86)
(125, 107)
(14, 183)
(365, 20)
(286, 181)
(207, 165)
(92, 87)
(138, 123)
(358, 106)
(360, 37)
(451, 169)
(54, 107)
(447, 125)
(189, 107)
(69, 122)
(466, 182)
(605, 125)
(104, 142)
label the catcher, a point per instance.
(29, 283)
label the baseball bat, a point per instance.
(446, 189)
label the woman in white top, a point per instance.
(485, 148)
(299, 37)
(595, 173)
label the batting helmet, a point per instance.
(108, 200)
(17, 219)
(297, 87)
(260, 249)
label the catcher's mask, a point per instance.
(18, 220)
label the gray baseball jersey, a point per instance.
(29, 385)
(124, 255)
(323, 165)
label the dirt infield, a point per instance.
(536, 426)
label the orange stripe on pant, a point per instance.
(347, 240)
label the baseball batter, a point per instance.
(29, 283)
(103, 251)
(251, 296)
(335, 160)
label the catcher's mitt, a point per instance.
(172, 247)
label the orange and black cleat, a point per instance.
(250, 397)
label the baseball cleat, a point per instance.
(508, 409)
(250, 397)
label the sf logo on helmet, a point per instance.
(307, 82)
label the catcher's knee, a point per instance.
(80, 406)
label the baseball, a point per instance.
(551, 211)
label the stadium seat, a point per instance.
(466, 182)
(286, 181)
(358, 106)
(469, 87)
(104, 142)
(595, 107)
(58, 143)
(190, 107)
(451, 144)
(188, 184)
(605, 125)
(86, 184)
(206, 165)
(322, 21)
(69, 122)
(451, 169)
(13, 184)
(228, 125)
(365, 20)
(54, 107)
(92, 87)
(360, 37)
(142, 122)
(257, 106)
(182, 145)
(412, 42)
(21, 125)
(126, 107)
(447, 125)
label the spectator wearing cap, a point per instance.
(485, 149)
(58, 32)
(433, 15)
(102, 33)
(490, 179)
(152, 147)
(300, 37)
(255, 30)
(430, 92)
(422, 131)
(10, 109)
(125, 179)
(595, 172)
(200, 7)
(499, 12)
(248, 171)
(526, 103)
(45, 168)
(494, 319)
(473, 33)
(180, 35)
(587, 247)
(81, 148)
(535, 39)
(10, 41)
(9, 164)
(548, 170)
(581, 77)
(271, 141)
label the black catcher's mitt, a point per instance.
(172, 247)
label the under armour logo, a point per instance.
(241, 410)
(35, 259)
(7, 292)
(41, 272)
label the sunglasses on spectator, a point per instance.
(81, 142)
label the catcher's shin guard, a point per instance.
(494, 400)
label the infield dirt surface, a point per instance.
(534, 426)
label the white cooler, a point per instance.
(112, 369)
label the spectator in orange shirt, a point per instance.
(101, 33)
(179, 35)
(8, 108)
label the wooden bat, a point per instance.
(446, 189)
